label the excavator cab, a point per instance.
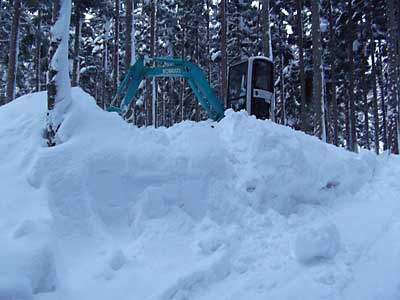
(251, 86)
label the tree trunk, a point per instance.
(266, 31)
(208, 20)
(374, 86)
(130, 50)
(319, 124)
(385, 131)
(281, 71)
(300, 43)
(58, 86)
(13, 52)
(150, 99)
(182, 90)
(393, 74)
(332, 48)
(347, 112)
(116, 46)
(267, 43)
(107, 25)
(365, 98)
(282, 90)
(38, 52)
(350, 39)
(224, 54)
(75, 59)
(154, 103)
(128, 33)
(325, 112)
(197, 47)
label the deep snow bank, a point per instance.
(229, 211)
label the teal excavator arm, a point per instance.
(170, 68)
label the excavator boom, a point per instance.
(168, 68)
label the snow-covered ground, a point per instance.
(242, 209)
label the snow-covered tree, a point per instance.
(58, 86)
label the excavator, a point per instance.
(250, 85)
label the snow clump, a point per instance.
(322, 242)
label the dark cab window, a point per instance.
(263, 79)
(263, 75)
(237, 86)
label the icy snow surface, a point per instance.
(243, 209)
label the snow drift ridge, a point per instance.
(190, 212)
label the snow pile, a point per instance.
(242, 209)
